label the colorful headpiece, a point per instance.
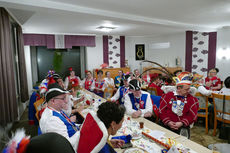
(184, 78)
(50, 73)
(197, 77)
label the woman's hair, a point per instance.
(89, 72)
(106, 73)
(70, 86)
(100, 71)
(227, 82)
(108, 112)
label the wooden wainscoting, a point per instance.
(113, 71)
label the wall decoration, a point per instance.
(140, 51)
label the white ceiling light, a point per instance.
(105, 28)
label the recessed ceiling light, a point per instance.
(105, 28)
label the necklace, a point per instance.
(139, 104)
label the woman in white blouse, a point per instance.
(109, 82)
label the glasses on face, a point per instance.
(63, 98)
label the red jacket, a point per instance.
(215, 81)
(159, 91)
(189, 112)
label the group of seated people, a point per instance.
(177, 111)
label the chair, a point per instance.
(38, 107)
(203, 106)
(93, 135)
(108, 92)
(156, 104)
(221, 109)
(152, 91)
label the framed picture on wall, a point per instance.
(140, 51)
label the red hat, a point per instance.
(96, 70)
(51, 81)
(70, 69)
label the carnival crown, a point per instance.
(184, 78)
(197, 77)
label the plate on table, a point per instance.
(134, 150)
(136, 136)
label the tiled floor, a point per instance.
(198, 135)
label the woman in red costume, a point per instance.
(88, 81)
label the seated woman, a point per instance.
(70, 77)
(109, 82)
(112, 115)
(98, 86)
(212, 82)
(73, 99)
(88, 81)
(137, 75)
(156, 83)
(118, 79)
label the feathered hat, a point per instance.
(184, 78)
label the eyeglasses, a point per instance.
(64, 98)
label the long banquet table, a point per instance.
(195, 147)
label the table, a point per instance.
(184, 141)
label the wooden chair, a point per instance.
(152, 91)
(203, 106)
(221, 109)
(38, 107)
(108, 92)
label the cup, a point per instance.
(141, 124)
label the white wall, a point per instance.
(94, 55)
(223, 43)
(161, 56)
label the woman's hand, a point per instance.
(117, 143)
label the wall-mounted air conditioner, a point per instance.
(163, 45)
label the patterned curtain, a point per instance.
(200, 51)
(114, 51)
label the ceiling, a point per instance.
(130, 17)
